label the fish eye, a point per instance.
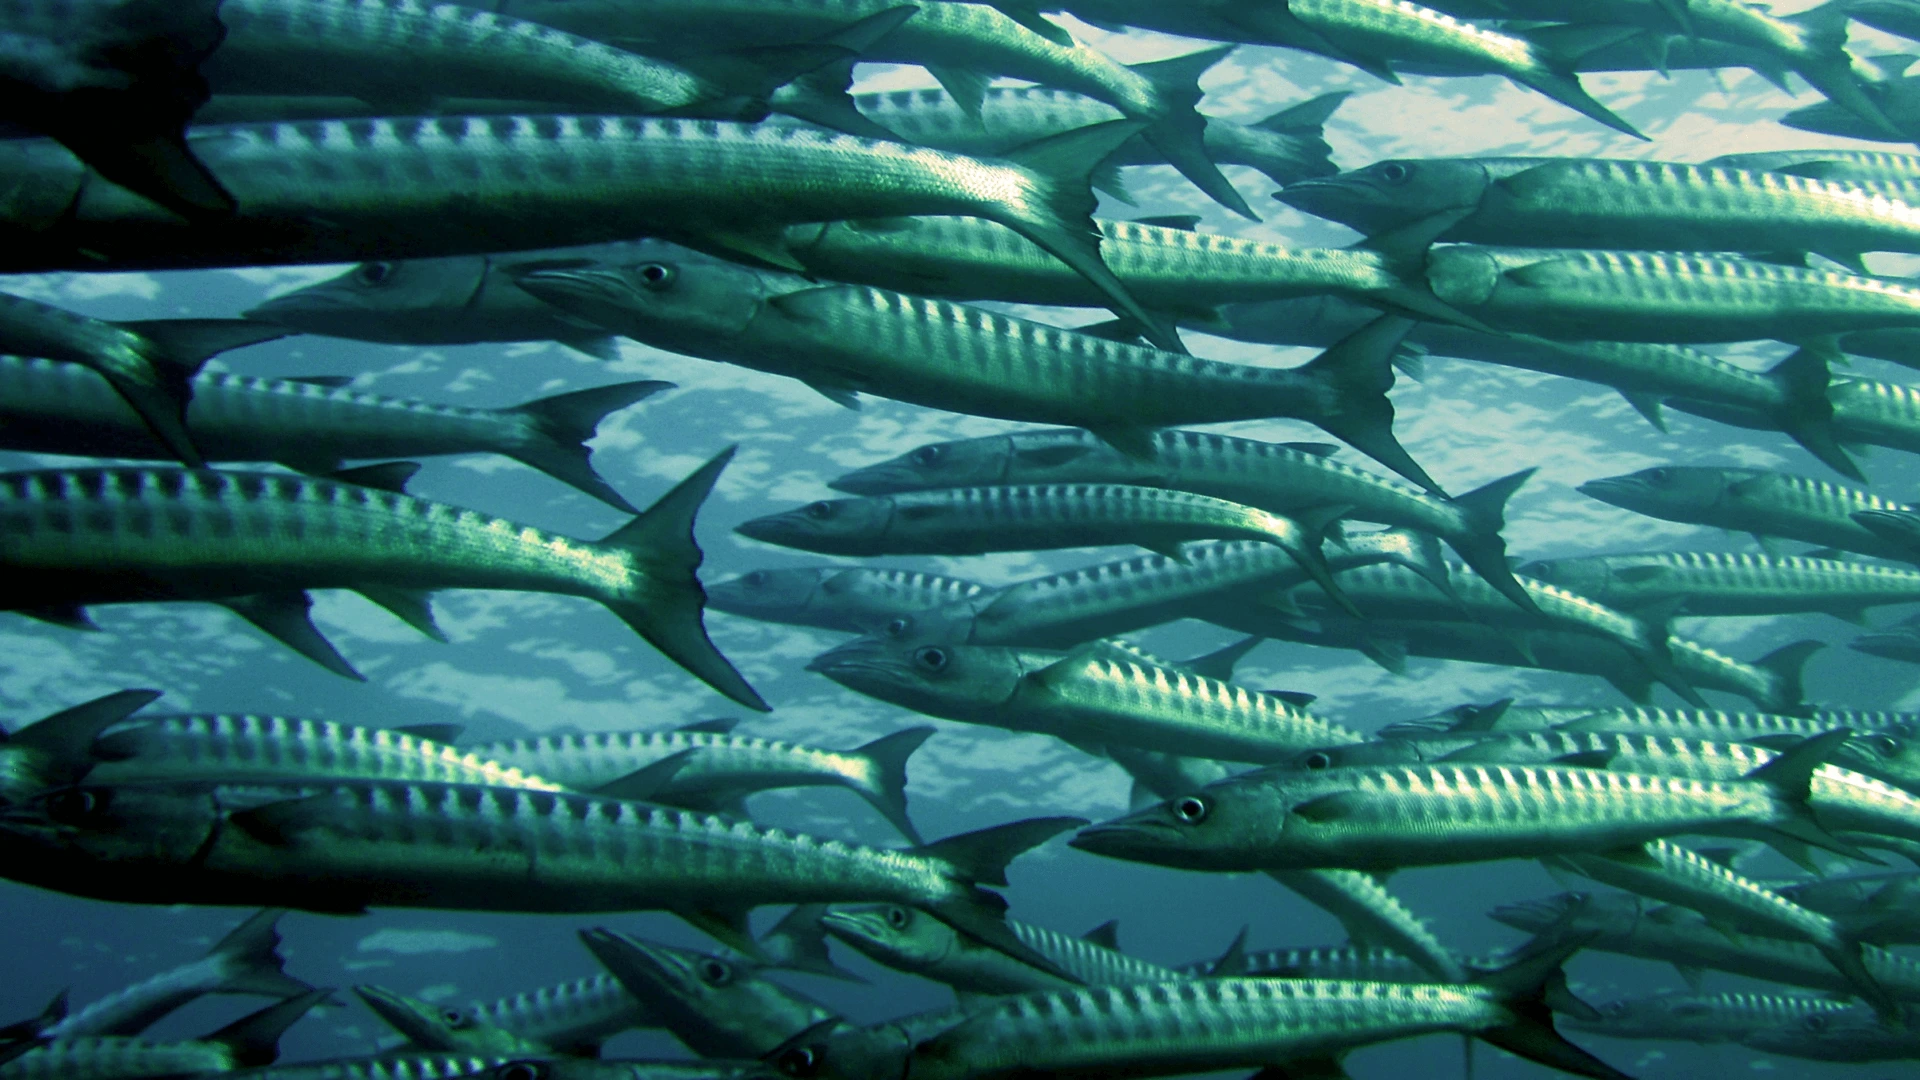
(455, 1019)
(821, 510)
(1319, 759)
(898, 627)
(522, 1070)
(715, 973)
(73, 805)
(1394, 172)
(930, 657)
(1882, 744)
(373, 273)
(655, 276)
(898, 918)
(1814, 1022)
(757, 578)
(1191, 810)
(928, 455)
(799, 1061)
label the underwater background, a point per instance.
(525, 663)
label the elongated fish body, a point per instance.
(243, 748)
(55, 408)
(392, 1066)
(1713, 725)
(119, 1058)
(1371, 818)
(1660, 297)
(1278, 477)
(1843, 165)
(343, 847)
(1181, 272)
(1875, 907)
(1620, 204)
(915, 942)
(1341, 963)
(859, 601)
(1717, 1018)
(1012, 115)
(723, 767)
(845, 338)
(95, 536)
(1755, 501)
(1098, 694)
(429, 1027)
(716, 1006)
(355, 47)
(1724, 583)
(571, 1016)
(1634, 926)
(1856, 1034)
(246, 961)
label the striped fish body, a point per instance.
(1711, 1019)
(1181, 272)
(315, 192)
(113, 535)
(1852, 1035)
(246, 748)
(1195, 1025)
(716, 1006)
(912, 941)
(447, 50)
(347, 846)
(1336, 963)
(859, 601)
(1398, 30)
(1754, 501)
(1844, 166)
(246, 961)
(1882, 414)
(1659, 297)
(1715, 725)
(430, 1027)
(1682, 876)
(109, 1057)
(392, 1066)
(1024, 517)
(571, 1016)
(1723, 583)
(37, 329)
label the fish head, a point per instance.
(1664, 490)
(934, 626)
(444, 1028)
(1578, 912)
(1224, 826)
(1886, 755)
(718, 1006)
(945, 679)
(847, 1052)
(902, 938)
(677, 302)
(125, 826)
(1389, 194)
(1582, 576)
(831, 526)
(770, 594)
(1648, 1016)
(385, 300)
(1373, 752)
(1826, 1033)
(961, 463)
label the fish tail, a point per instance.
(980, 858)
(1311, 526)
(1789, 778)
(887, 756)
(65, 741)
(667, 611)
(255, 1038)
(1057, 214)
(823, 95)
(1533, 987)
(1806, 412)
(1307, 153)
(1358, 369)
(1481, 546)
(1785, 668)
(558, 427)
(1179, 132)
(1424, 557)
(252, 952)
(177, 349)
(1848, 957)
(798, 942)
(1565, 88)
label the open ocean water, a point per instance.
(523, 664)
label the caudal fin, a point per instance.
(1179, 131)
(980, 858)
(1806, 412)
(63, 743)
(887, 756)
(557, 429)
(664, 603)
(255, 1038)
(1785, 667)
(174, 352)
(823, 96)
(1057, 214)
(1532, 987)
(250, 958)
(1480, 544)
(1303, 152)
(798, 942)
(1359, 370)
(1790, 778)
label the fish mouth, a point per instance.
(1124, 840)
(767, 530)
(877, 480)
(1321, 191)
(298, 303)
(627, 957)
(853, 658)
(390, 1007)
(1609, 489)
(1531, 916)
(557, 285)
(847, 924)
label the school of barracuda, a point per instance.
(707, 178)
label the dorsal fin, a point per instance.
(386, 476)
(720, 726)
(1106, 935)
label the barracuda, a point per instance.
(716, 1006)
(1877, 907)
(844, 339)
(147, 364)
(1097, 694)
(255, 541)
(1716, 1019)
(314, 192)
(1618, 923)
(246, 961)
(252, 1040)
(345, 846)
(722, 768)
(396, 1066)
(1341, 963)
(1186, 275)
(858, 601)
(307, 424)
(57, 749)
(914, 942)
(241, 748)
(429, 1027)
(1765, 504)
(1204, 1025)
(1385, 591)
(974, 520)
(1868, 166)
(1386, 817)
(1724, 583)
(1600, 203)
(1852, 1035)
(1663, 298)
(1678, 875)
(573, 1017)
(1285, 146)
(1279, 477)
(1870, 413)
(962, 45)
